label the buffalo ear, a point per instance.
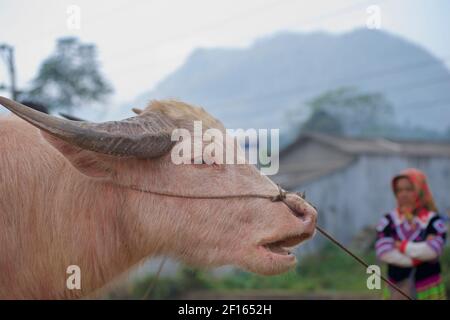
(89, 163)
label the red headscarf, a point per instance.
(424, 198)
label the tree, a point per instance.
(321, 121)
(349, 112)
(69, 78)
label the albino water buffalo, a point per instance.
(74, 193)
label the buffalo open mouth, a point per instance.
(284, 246)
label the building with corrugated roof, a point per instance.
(348, 179)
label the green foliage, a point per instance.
(321, 121)
(351, 112)
(348, 111)
(445, 263)
(69, 78)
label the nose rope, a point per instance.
(281, 196)
(361, 261)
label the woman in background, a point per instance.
(410, 239)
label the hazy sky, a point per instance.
(139, 42)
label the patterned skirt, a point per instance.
(431, 288)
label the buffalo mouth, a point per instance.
(284, 246)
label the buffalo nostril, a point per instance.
(311, 221)
(296, 211)
(299, 213)
(307, 215)
(302, 210)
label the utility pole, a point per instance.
(7, 52)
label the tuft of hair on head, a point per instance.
(182, 113)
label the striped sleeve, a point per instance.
(420, 251)
(385, 242)
(438, 230)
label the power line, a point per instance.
(321, 17)
(102, 13)
(430, 104)
(234, 102)
(365, 76)
(209, 27)
(422, 84)
(245, 14)
(434, 103)
(408, 87)
(317, 86)
(127, 55)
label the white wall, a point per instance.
(359, 194)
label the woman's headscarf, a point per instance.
(424, 198)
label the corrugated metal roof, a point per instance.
(314, 155)
(357, 146)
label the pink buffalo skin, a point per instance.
(61, 206)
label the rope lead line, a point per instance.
(152, 285)
(341, 246)
(281, 196)
(361, 261)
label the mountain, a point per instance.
(257, 86)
